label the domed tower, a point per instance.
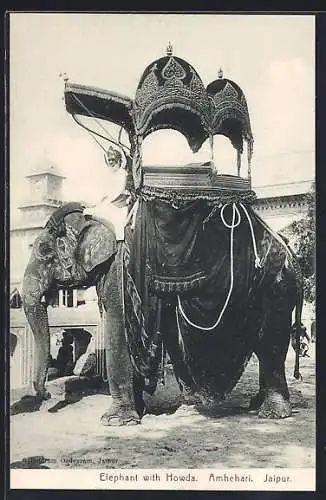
(43, 196)
(44, 193)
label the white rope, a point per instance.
(232, 226)
(257, 259)
(258, 264)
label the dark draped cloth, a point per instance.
(183, 255)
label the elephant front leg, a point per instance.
(272, 400)
(118, 363)
(37, 318)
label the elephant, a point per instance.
(79, 254)
(86, 253)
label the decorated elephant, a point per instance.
(198, 275)
(207, 361)
(84, 255)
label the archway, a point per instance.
(67, 346)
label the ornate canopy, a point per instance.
(171, 94)
(99, 103)
(229, 114)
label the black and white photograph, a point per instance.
(162, 251)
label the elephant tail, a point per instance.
(297, 326)
(297, 322)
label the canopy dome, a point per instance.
(170, 94)
(229, 114)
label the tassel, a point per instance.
(249, 154)
(211, 143)
(238, 162)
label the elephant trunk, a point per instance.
(34, 287)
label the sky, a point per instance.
(271, 57)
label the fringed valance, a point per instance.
(178, 198)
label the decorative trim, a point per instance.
(173, 71)
(177, 199)
(162, 102)
(161, 284)
(151, 97)
(75, 88)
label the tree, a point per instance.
(302, 234)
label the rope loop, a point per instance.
(258, 264)
(235, 211)
(217, 322)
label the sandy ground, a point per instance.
(171, 435)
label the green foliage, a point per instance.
(302, 232)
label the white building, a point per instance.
(75, 311)
(281, 204)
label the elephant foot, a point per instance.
(209, 402)
(275, 406)
(118, 417)
(191, 398)
(42, 393)
(256, 401)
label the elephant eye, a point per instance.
(45, 249)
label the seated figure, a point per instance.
(64, 359)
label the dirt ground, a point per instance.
(171, 435)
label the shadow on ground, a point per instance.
(244, 442)
(26, 404)
(36, 462)
(181, 437)
(70, 390)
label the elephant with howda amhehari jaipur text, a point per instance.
(197, 275)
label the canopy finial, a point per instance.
(64, 76)
(220, 73)
(169, 50)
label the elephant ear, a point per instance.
(44, 247)
(97, 245)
